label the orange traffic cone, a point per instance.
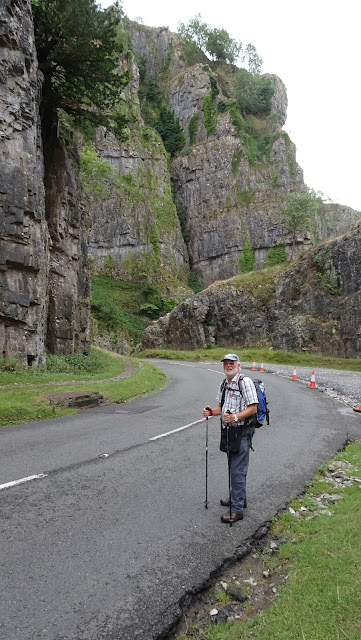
(254, 366)
(294, 377)
(313, 381)
(262, 369)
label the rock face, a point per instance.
(224, 192)
(40, 262)
(50, 218)
(135, 231)
(24, 240)
(314, 305)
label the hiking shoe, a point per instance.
(225, 503)
(230, 518)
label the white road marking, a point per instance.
(163, 435)
(22, 480)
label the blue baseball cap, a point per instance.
(231, 356)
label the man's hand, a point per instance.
(207, 412)
(229, 417)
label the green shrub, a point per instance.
(158, 114)
(193, 129)
(209, 115)
(244, 197)
(95, 173)
(170, 130)
(236, 160)
(253, 93)
(247, 260)
(194, 283)
(276, 255)
(275, 179)
(95, 362)
(11, 365)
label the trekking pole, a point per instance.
(229, 476)
(206, 501)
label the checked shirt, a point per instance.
(234, 401)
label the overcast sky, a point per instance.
(313, 46)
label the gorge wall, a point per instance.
(150, 218)
(225, 189)
(313, 306)
(44, 283)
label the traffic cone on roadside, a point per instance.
(313, 381)
(294, 377)
(261, 368)
(254, 368)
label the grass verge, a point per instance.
(30, 404)
(319, 559)
(248, 355)
(98, 364)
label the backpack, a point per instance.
(262, 407)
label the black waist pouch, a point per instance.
(230, 443)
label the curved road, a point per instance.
(107, 547)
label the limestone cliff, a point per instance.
(229, 186)
(314, 305)
(152, 215)
(43, 276)
(134, 227)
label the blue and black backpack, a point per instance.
(257, 420)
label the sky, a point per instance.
(313, 46)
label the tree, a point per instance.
(222, 47)
(216, 42)
(78, 49)
(297, 213)
(254, 61)
(195, 31)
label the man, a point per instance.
(234, 408)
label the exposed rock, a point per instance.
(24, 239)
(303, 308)
(161, 49)
(186, 92)
(136, 226)
(43, 256)
(77, 399)
(134, 229)
(279, 101)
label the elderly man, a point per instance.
(235, 408)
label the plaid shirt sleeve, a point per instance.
(249, 392)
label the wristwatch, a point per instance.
(235, 418)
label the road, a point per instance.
(109, 547)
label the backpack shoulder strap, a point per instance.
(223, 391)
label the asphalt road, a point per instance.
(106, 548)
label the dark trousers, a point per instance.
(238, 467)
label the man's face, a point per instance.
(230, 368)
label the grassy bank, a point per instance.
(317, 568)
(31, 403)
(248, 355)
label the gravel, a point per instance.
(344, 386)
